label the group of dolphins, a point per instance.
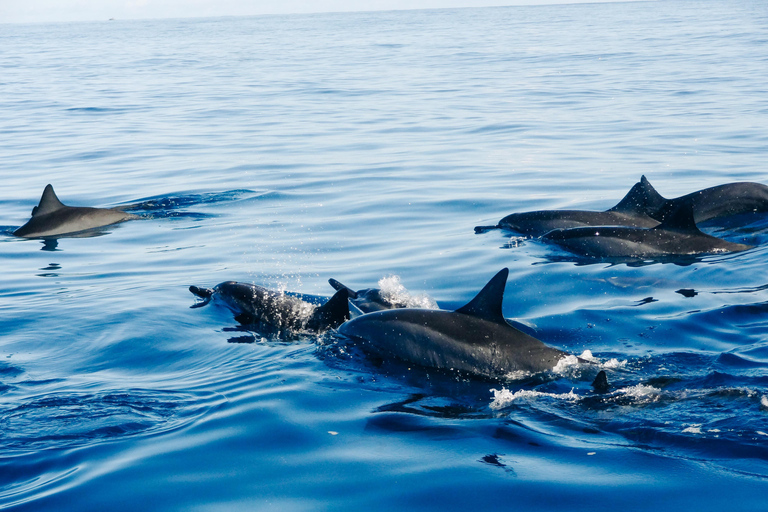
(475, 338)
(643, 224)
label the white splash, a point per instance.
(764, 401)
(641, 392)
(565, 364)
(693, 429)
(517, 375)
(504, 397)
(394, 292)
(611, 364)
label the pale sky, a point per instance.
(25, 11)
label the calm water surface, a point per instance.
(286, 150)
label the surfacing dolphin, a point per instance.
(276, 312)
(391, 295)
(475, 338)
(633, 210)
(367, 300)
(51, 218)
(676, 236)
(722, 201)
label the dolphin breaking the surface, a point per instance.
(643, 207)
(474, 338)
(52, 218)
(676, 236)
(367, 300)
(275, 311)
(633, 210)
(390, 295)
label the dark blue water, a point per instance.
(286, 150)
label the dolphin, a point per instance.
(275, 311)
(51, 218)
(367, 300)
(475, 338)
(676, 236)
(721, 201)
(633, 210)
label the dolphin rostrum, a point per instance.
(676, 236)
(633, 210)
(51, 218)
(275, 311)
(475, 338)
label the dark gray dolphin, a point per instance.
(475, 338)
(722, 201)
(676, 236)
(51, 218)
(633, 210)
(367, 299)
(275, 311)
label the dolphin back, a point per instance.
(474, 339)
(52, 218)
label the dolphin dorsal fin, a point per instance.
(641, 198)
(48, 202)
(331, 314)
(487, 303)
(678, 216)
(338, 286)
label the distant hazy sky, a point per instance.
(16, 11)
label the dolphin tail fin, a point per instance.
(338, 286)
(48, 202)
(487, 303)
(641, 198)
(331, 314)
(203, 293)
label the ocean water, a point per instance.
(286, 150)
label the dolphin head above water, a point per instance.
(52, 218)
(474, 338)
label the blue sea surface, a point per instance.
(286, 150)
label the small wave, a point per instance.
(64, 420)
(643, 393)
(96, 110)
(637, 395)
(503, 397)
(168, 206)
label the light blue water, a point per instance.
(286, 150)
